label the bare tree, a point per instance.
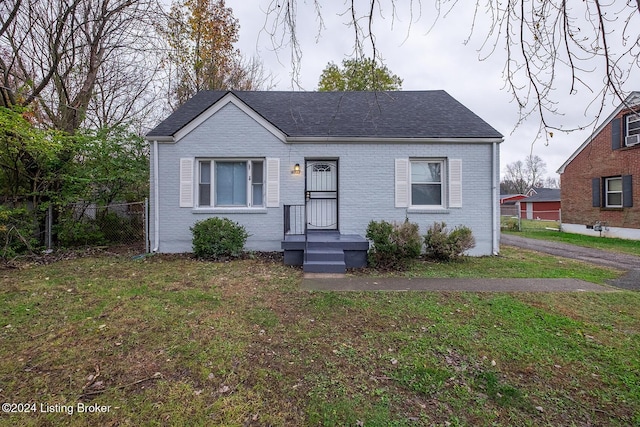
(515, 179)
(551, 182)
(551, 45)
(536, 168)
(128, 91)
(54, 56)
(521, 176)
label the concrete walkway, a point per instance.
(325, 282)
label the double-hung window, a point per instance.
(632, 130)
(613, 192)
(427, 183)
(231, 183)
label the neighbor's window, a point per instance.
(613, 190)
(426, 183)
(632, 136)
(633, 124)
(235, 183)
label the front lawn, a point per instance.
(174, 341)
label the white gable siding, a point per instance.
(367, 182)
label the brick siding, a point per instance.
(599, 160)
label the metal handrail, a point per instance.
(293, 223)
(306, 238)
(296, 226)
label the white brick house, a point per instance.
(287, 163)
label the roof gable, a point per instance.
(631, 101)
(300, 115)
(540, 194)
(226, 99)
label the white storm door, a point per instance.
(322, 194)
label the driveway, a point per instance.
(629, 263)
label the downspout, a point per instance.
(494, 200)
(156, 195)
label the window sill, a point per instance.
(604, 208)
(437, 210)
(259, 210)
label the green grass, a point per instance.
(509, 223)
(174, 341)
(631, 247)
(514, 263)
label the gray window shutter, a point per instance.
(273, 183)
(616, 134)
(627, 191)
(186, 183)
(402, 183)
(455, 183)
(595, 192)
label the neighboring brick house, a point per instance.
(601, 180)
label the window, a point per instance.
(236, 183)
(632, 126)
(426, 183)
(204, 186)
(613, 192)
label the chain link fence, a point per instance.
(120, 227)
(512, 218)
(87, 224)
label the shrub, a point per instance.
(218, 238)
(72, 233)
(118, 229)
(16, 232)
(395, 246)
(445, 246)
(510, 224)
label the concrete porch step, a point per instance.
(325, 254)
(325, 247)
(324, 267)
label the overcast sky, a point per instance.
(425, 60)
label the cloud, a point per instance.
(426, 56)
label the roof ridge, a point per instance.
(431, 114)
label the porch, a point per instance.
(320, 251)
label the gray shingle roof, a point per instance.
(402, 114)
(544, 195)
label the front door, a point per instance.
(322, 194)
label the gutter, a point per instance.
(156, 201)
(494, 201)
(385, 140)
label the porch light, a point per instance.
(296, 169)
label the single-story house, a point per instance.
(600, 181)
(305, 172)
(541, 203)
